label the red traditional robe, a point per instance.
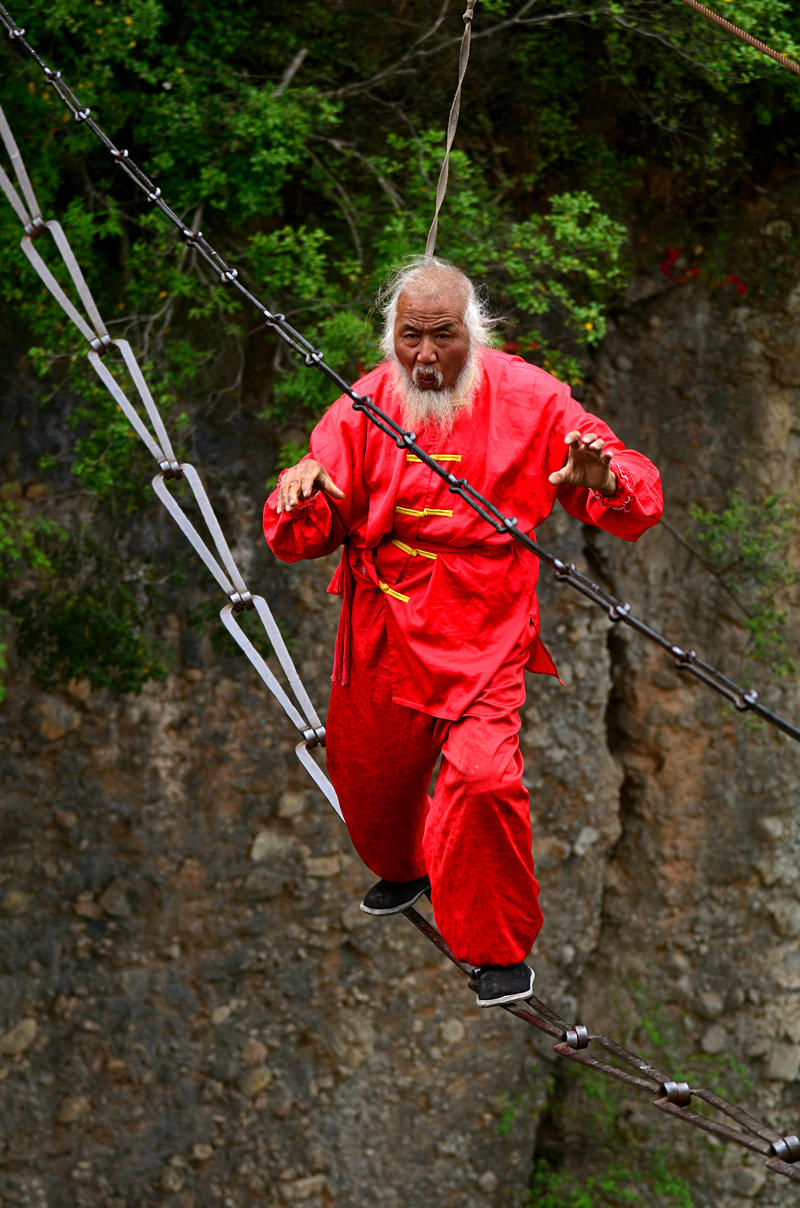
(453, 628)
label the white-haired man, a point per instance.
(439, 615)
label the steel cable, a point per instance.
(667, 1094)
(743, 36)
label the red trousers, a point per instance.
(473, 835)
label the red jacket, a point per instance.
(458, 595)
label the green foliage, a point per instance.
(616, 1187)
(68, 606)
(25, 538)
(749, 547)
(97, 634)
(24, 541)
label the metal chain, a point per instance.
(452, 125)
(214, 552)
(688, 661)
(756, 43)
(668, 1094)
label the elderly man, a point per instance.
(439, 615)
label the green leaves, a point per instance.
(748, 545)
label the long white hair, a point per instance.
(428, 274)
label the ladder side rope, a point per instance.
(667, 1094)
(743, 36)
(216, 556)
(688, 661)
(452, 126)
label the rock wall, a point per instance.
(194, 1012)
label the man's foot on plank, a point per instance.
(499, 984)
(392, 897)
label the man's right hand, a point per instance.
(301, 480)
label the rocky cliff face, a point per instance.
(194, 1011)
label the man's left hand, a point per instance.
(587, 465)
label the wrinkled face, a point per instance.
(431, 341)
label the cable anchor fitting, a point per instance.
(683, 658)
(81, 115)
(678, 1093)
(618, 612)
(313, 358)
(170, 469)
(101, 344)
(16, 32)
(787, 1149)
(241, 600)
(36, 227)
(191, 237)
(576, 1037)
(746, 701)
(315, 737)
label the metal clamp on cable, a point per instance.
(191, 237)
(746, 701)
(787, 1149)
(16, 32)
(683, 658)
(170, 469)
(241, 600)
(314, 738)
(36, 227)
(101, 344)
(561, 570)
(678, 1093)
(313, 358)
(618, 612)
(576, 1037)
(510, 522)
(81, 115)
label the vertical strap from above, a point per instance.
(452, 125)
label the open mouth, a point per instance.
(427, 379)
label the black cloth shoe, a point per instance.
(390, 897)
(504, 983)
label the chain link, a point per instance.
(666, 1094)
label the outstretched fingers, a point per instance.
(587, 464)
(301, 480)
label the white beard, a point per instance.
(441, 407)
